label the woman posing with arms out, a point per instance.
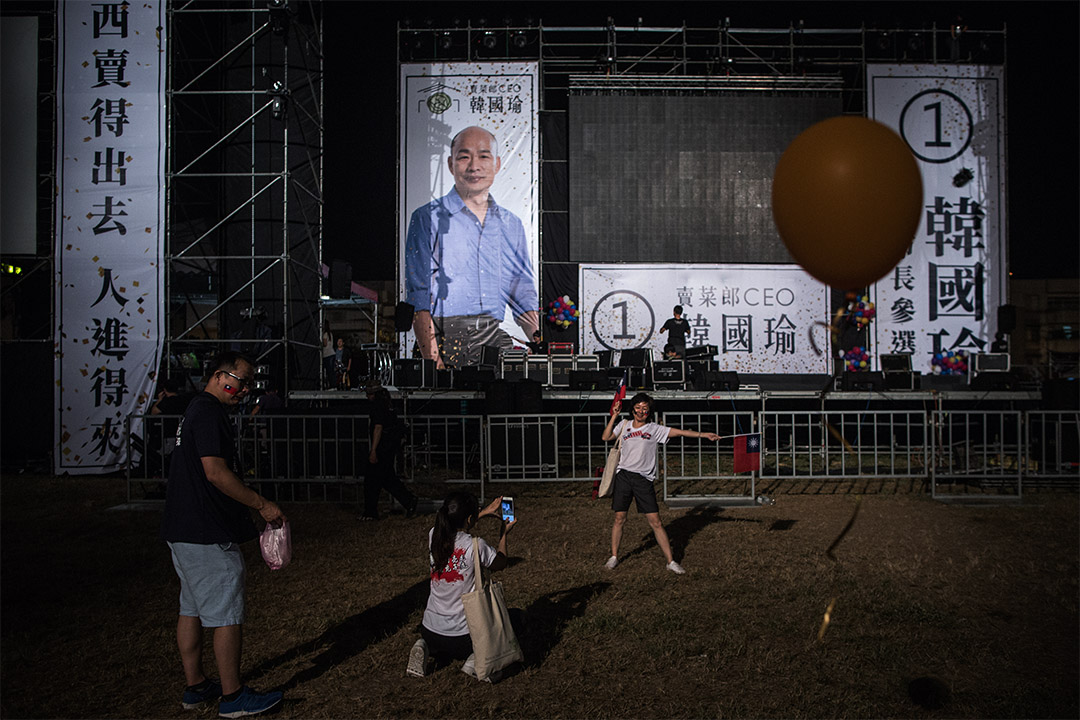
(636, 472)
(444, 631)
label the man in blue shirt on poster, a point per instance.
(466, 259)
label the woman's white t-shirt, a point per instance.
(639, 447)
(445, 614)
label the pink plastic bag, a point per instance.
(276, 545)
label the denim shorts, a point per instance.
(211, 582)
(630, 485)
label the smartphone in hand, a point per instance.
(507, 510)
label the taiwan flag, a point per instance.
(620, 395)
(747, 452)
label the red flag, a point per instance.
(747, 452)
(620, 395)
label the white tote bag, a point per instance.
(495, 645)
(608, 479)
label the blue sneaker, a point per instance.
(194, 698)
(249, 702)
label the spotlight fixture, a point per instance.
(963, 177)
(279, 99)
(446, 41)
(279, 16)
(520, 41)
(489, 41)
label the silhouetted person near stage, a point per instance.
(387, 433)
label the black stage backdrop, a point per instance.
(662, 178)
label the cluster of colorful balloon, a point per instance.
(562, 312)
(856, 359)
(950, 362)
(862, 312)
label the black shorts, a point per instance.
(631, 485)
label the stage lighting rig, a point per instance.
(279, 16)
(279, 95)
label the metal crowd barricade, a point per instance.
(545, 447)
(841, 444)
(978, 455)
(988, 454)
(444, 449)
(700, 470)
(1052, 449)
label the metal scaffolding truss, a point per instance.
(244, 185)
(744, 58)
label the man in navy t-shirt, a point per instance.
(206, 519)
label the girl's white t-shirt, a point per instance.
(640, 446)
(445, 614)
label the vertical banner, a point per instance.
(437, 102)
(760, 317)
(944, 295)
(110, 207)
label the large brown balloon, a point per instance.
(847, 198)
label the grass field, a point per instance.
(977, 603)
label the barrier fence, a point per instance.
(988, 454)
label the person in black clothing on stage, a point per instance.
(386, 433)
(680, 328)
(538, 346)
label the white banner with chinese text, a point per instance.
(760, 317)
(944, 295)
(109, 214)
(440, 100)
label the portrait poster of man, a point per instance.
(468, 247)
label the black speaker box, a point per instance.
(340, 279)
(1061, 394)
(403, 316)
(471, 377)
(1006, 319)
(489, 356)
(993, 381)
(444, 379)
(704, 352)
(589, 380)
(603, 357)
(635, 357)
(717, 380)
(499, 397)
(900, 381)
(561, 367)
(669, 372)
(516, 397)
(414, 373)
(862, 381)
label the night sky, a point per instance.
(1042, 86)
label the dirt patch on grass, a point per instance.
(982, 599)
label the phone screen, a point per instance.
(508, 509)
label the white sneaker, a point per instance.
(418, 659)
(611, 562)
(676, 568)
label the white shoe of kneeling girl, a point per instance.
(418, 659)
